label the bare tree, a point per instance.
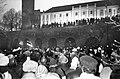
(12, 20)
(18, 20)
(98, 31)
(8, 19)
(2, 9)
(2, 6)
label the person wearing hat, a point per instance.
(51, 76)
(12, 61)
(88, 66)
(29, 68)
(105, 73)
(41, 71)
(74, 74)
(27, 53)
(115, 74)
(62, 59)
(74, 64)
(62, 65)
(75, 60)
(4, 60)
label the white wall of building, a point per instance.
(78, 14)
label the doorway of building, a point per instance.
(52, 43)
(38, 43)
(70, 42)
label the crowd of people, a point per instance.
(61, 63)
(114, 19)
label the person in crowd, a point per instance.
(1, 76)
(41, 71)
(96, 54)
(88, 66)
(4, 70)
(115, 74)
(29, 67)
(62, 65)
(66, 63)
(15, 68)
(12, 61)
(52, 62)
(75, 60)
(105, 73)
(51, 76)
(35, 55)
(74, 73)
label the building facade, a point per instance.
(71, 13)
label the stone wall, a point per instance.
(79, 34)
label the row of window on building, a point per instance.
(48, 18)
(76, 14)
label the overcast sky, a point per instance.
(44, 4)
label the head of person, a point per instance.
(88, 64)
(41, 71)
(27, 53)
(30, 66)
(51, 76)
(57, 49)
(49, 54)
(73, 52)
(35, 56)
(4, 61)
(21, 58)
(1, 76)
(115, 74)
(63, 59)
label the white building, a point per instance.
(71, 13)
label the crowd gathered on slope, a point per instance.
(114, 20)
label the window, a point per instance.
(91, 12)
(51, 16)
(47, 16)
(60, 15)
(83, 13)
(101, 12)
(43, 17)
(66, 14)
(54, 16)
(114, 11)
(76, 13)
(110, 10)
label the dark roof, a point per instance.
(59, 8)
(69, 7)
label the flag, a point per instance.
(29, 44)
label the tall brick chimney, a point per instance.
(27, 11)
